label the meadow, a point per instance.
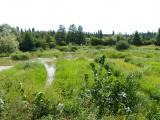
(24, 95)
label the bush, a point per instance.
(122, 45)
(62, 43)
(73, 49)
(109, 41)
(52, 45)
(20, 56)
(40, 106)
(111, 95)
(96, 41)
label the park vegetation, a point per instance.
(13, 39)
(98, 76)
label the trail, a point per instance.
(49, 65)
(5, 67)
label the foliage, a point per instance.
(27, 42)
(8, 40)
(68, 48)
(40, 106)
(32, 40)
(111, 95)
(72, 33)
(96, 41)
(122, 45)
(136, 39)
(61, 35)
(16, 88)
(126, 86)
(109, 41)
(20, 56)
(80, 36)
(1, 106)
(158, 38)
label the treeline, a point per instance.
(12, 39)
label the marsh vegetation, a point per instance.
(114, 80)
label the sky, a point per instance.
(125, 16)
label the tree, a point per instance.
(158, 38)
(80, 36)
(136, 39)
(27, 42)
(113, 33)
(61, 35)
(8, 44)
(72, 34)
(50, 41)
(100, 34)
(119, 37)
(8, 39)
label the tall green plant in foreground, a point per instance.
(111, 95)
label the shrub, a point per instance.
(62, 43)
(20, 56)
(96, 41)
(111, 95)
(63, 48)
(52, 45)
(109, 41)
(122, 45)
(73, 49)
(40, 106)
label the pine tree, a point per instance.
(72, 34)
(61, 35)
(136, 39)
(80, 36)
(27, 42)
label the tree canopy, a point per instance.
(8, 39)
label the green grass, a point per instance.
(31, 75)
(47, 53)
(19, 84)
(70, 75)
(70, 70)
(151, 80)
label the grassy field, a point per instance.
(26, 79)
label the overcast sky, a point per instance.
(108, 15)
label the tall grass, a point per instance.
(17, 86)
(69, 79)
(70, 74)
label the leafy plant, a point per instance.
(20, 56)
(40, 106)
(1, 106)
(111, 95)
